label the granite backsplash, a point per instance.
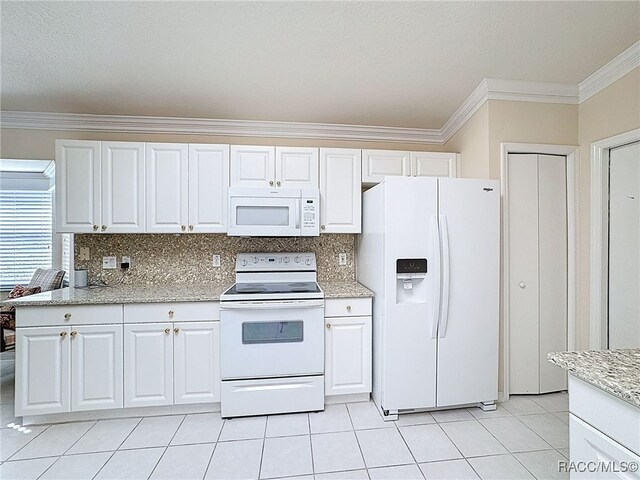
(187, 258)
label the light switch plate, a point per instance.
(84, 254)
(216, 260)
(109, 262)
(342, 259)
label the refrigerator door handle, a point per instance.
(437, 247)
(444, 309)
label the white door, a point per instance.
(624, 254)
(252, 166)
(123, 200)
(552, 268)
(347, 367)
(77, 186)
(43, 357)
(196, 360)
(377, 164)
(340, 190)
(148, 364)
(469, 221)
(537, 275)
(167, 170)
(434, 164)
(96, 367)
(296, 167)
(208, 188)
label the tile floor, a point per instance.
(524, 438)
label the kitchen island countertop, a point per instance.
(617, 372)
(161, 293)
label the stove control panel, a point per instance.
(274, 262)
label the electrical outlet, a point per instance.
(126, 259)
(216, 260)
(84, 254)
(109, 262)
(342, 259)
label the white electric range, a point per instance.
(272, 336)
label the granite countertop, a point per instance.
(615, 371)
(161, 293)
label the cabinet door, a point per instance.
(167, 170)
(340, 190)
(208, 187)
(42, 370)
(347, 355)
(96, 367)
(77, 186)
(196, 362)
(252, 166)
(123, 202)
(432, 164)
(297, 167)
(148, 365)
(377, 164)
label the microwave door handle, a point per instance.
(297, 203)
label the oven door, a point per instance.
(264, 216)
(271, 339)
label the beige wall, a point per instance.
(612, 111)
(472, 142)
(40, 144)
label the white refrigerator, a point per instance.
(430, 252)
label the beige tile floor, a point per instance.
(523, 438)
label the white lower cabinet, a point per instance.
(348, 349)
(148, 364)
(196, 362)
(96, 367)
(43, 360)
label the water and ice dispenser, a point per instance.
(411, 280)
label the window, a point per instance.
(26, 227)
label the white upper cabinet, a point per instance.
(167, 169)
(293, 167)
(252, 166)
(77, 186)
(296, 167)
(377, 164)
(123, 201)
(434, 164)
(340, 190)
(208, 188)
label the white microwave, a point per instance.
(270, 212)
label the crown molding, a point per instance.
(203, 126)
(512, 90)
(610, 72)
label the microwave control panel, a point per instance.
(310, 213)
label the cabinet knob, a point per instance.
(191, 228)
(104, 227)
(74, 333)
(271, 183)
(176, 330)
(348, 308)
(522, 285)
(67, 316)
(183, 227)
(167, 330)
(328, 325)
(95, 228)
(278, 183)
(322, 227)
(63, 334)
(171, 312)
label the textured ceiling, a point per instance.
(389, 63)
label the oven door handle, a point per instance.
(271, 305)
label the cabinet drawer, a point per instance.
(345, 307)
(171, 312)
(28, 316)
